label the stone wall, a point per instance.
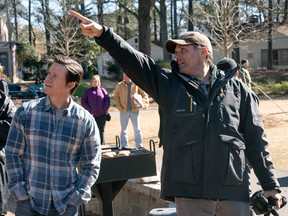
(133, 200)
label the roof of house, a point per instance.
(283, 29)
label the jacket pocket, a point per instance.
(183, 163)
(234, 161)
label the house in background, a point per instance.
(7, 51)
(103, 58)
(256, 53)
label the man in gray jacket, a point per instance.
(212, 125)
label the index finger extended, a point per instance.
(80, 17)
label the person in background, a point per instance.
(48, 138)
(38, 87)
(7, 111)
(211, 124)
(129, 99)
(244, 74)
(97, 101)
(3, 85)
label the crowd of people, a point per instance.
(211, 130)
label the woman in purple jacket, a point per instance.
(97, 101)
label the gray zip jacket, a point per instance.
(207, 140)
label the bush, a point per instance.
(271, 88)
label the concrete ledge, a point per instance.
(134, 199)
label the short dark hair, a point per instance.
(244, 61)
(75, 70)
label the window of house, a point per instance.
(283, 56)
(275, 57)
(249, 55)
(264, 57)
(279, 57)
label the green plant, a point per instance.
(271, 88)
(81, 89)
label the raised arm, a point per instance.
(88, 26)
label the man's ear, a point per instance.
(71, 85)
(204, 50)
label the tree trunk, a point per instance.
(155, 24)
(144, 10)
(163, 29)
(270, 26)
(285, 12)
(171, 18)
(46, 17)
(278, 12)
(29, 22)
(190, 20)
(47, 32)
(236, 49)
(11, 69)
(100, 11)
(15, 19)
(175, 35)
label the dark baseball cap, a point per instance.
(188, 38)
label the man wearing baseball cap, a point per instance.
(189, 38)
(211, 125)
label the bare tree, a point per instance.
(144, 16)
(162, 12)
(14, 5)
(64, 36)
(46, 17)
(228, 29)
(221, 19)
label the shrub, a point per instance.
(271, 88)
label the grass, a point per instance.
(270, 82)
(81, 89)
